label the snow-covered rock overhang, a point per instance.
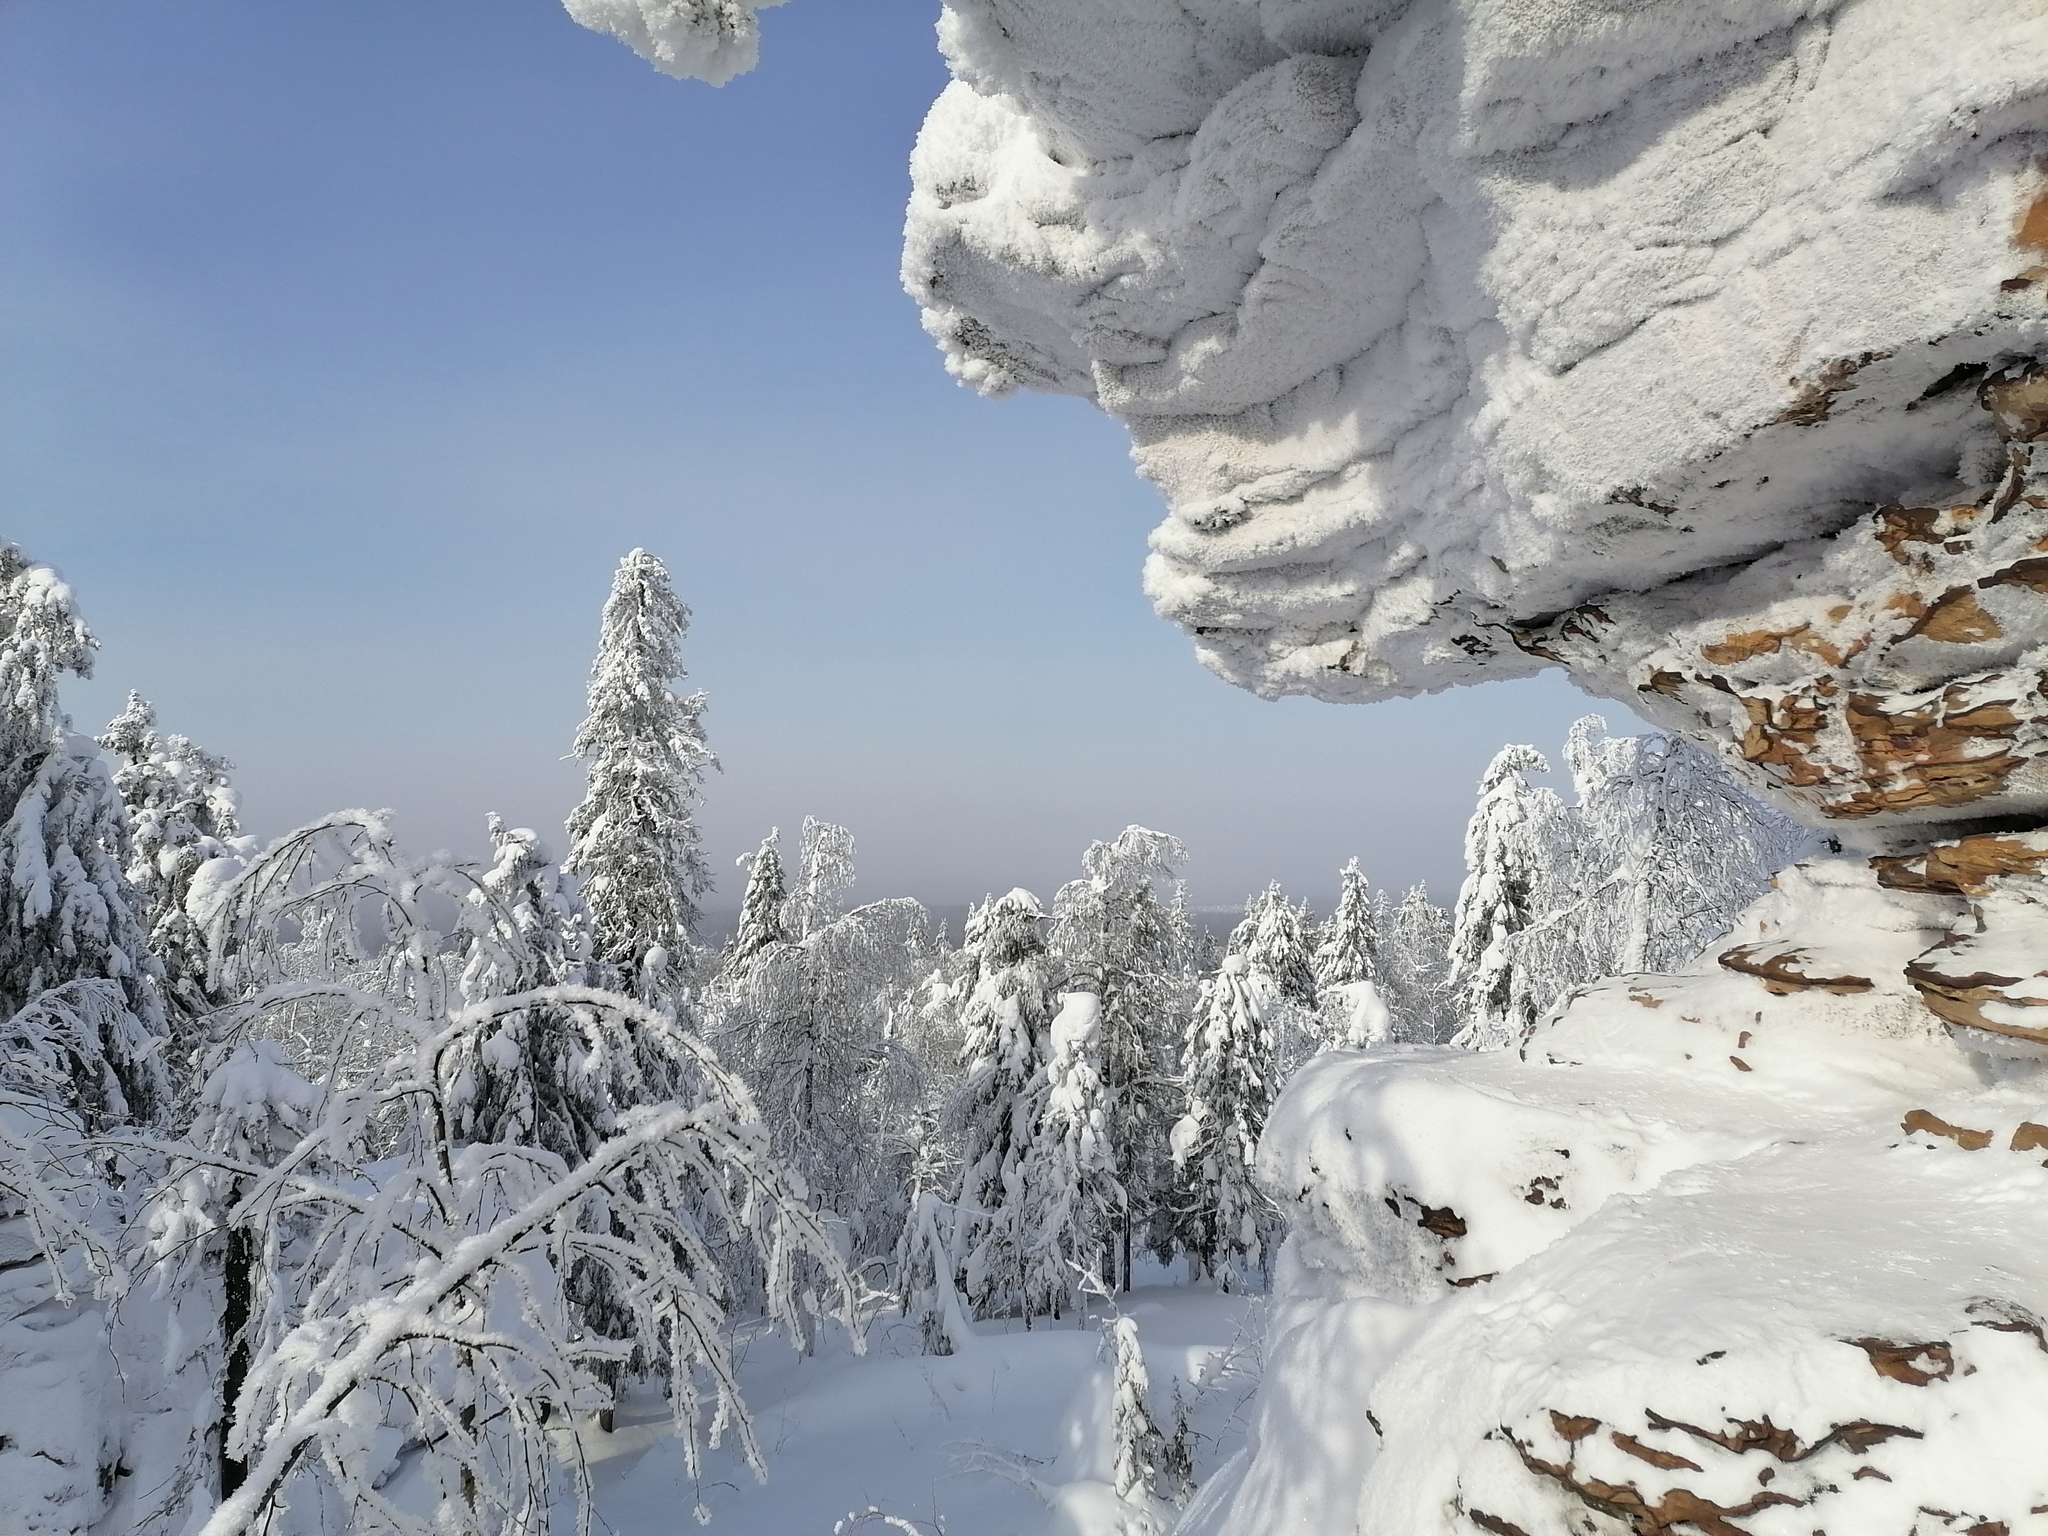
(1433, 321)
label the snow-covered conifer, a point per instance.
(760, 924)
(67, 911)
(929, 1294)
(1509, 851)
(1273, 938)
(1000, 1097)
(634, 839)
(1348, 946)
(1228, 1068)
(1113, 934)
(1071, 1167)
(182, 814)
(1133, 1432)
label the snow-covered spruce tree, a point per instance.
(67, 911)
(63, 1431)
(1228, 1067)
(1273, 938)
(760, 924)
(1139, 1446)
(1348, 945)
(1000, 1098)
(926, 1287)
(1071, 1168)
(1113, 935)
(182, 814)
(1510, 851)
(1274, 941)
(543, 1076)
(425, 1282)
(634, 839)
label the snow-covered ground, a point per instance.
(1008, 1438)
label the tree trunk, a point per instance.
(237, 1277)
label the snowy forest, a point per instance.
(381, 1175)
(1680, 1174)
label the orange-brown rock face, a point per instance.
(1892, 677)
(1988, 980)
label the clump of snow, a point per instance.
(1430, 318)
(708, 40)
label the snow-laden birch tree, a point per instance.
(634, 842)
(417, 1280)
(807, 1015)
(1663, 850)
(1417, 991)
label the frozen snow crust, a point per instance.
(1430, 319)
(1756, 1249)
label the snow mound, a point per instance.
(708, 40)
(1429, 319)
(1758, 1244)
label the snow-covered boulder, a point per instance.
(1759, 1244)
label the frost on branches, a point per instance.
(805, 1007)
(633, 840)
(420, 1298)
(1659, 852)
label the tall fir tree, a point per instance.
(67, 912)
(1000, 1097)
(1509, 845)
(1114, 936)
(1228, 1068)
(1348, 947)
(634, 839)
(1273, 938)
(760, 926)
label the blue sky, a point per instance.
(345, 348)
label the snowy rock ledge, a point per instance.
(1433, 320)
(1760, 1248)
